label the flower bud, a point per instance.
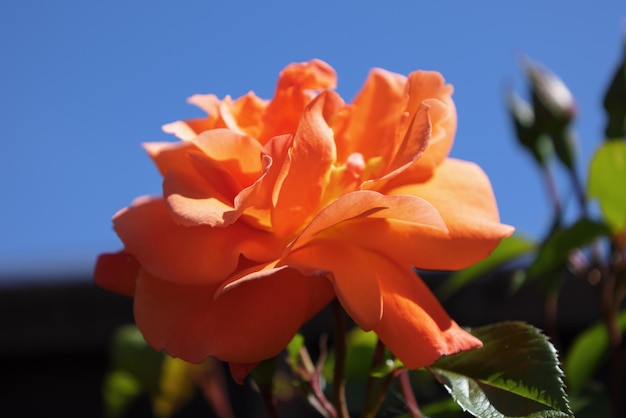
(555, 109)
(528, 136)
(553, 103)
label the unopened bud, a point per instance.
(553, 102)
(555, 108)
(524, 123)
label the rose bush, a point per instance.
(270, 209)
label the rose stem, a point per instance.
(377, 359)
(339, 391)
(409, 396)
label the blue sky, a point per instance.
(84, 83)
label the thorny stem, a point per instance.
(409, 396)
(339, 390)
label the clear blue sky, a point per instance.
(84, 83)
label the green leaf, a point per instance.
(554, 252)
(515, 374)
(606, 182)
(587, 352)
(508, 250)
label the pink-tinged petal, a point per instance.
(369, 205)
(117, 273)
(369, 125)
(191, 255)
(296, 87)
(250, 323)
(353, 272)
(304, 175)
(414, 326)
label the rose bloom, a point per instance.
(271, 209)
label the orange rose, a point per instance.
(271, 209)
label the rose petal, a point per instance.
(372, 205)
(303, 176)
(414, 325)
(239, 371)
(248, 324)
(294, 91)
(117, 272)
(462, 195)
(429, 87)
(193, 201)
(409, 149)
(373, 117)
(189, 255)
(352, 271)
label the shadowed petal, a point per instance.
(192, 255)
(117, 272)
(212, 178)
(250, 323)
(414, 325)
(353, 273)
